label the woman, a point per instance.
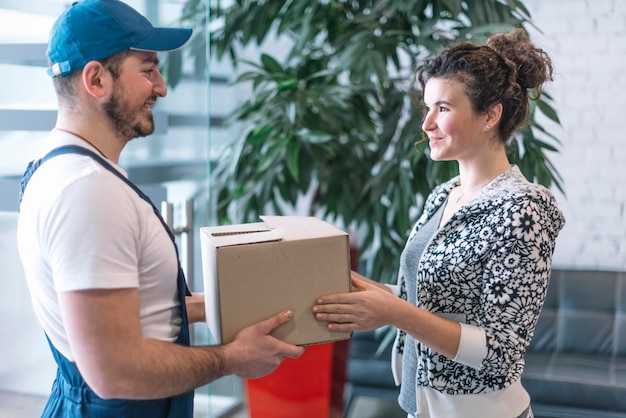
(475, 269)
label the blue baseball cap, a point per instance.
(97, 29)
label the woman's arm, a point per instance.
(372, 305)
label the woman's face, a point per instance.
(455, 131)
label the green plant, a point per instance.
(330, 121)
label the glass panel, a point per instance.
(175, 160)
(26, 364)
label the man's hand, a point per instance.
(255, 353)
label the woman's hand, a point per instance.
(369, 306)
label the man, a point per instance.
(102, 268)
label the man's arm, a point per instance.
(195, 307)
(116, 361)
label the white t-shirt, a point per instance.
(81, 227)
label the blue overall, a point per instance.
(71, 397)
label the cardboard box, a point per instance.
(253, 271)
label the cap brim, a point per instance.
(164, 39)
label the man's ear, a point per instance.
(493, 115)
(96, 79)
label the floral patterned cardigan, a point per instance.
(490, 262)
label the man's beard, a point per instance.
(125, 123)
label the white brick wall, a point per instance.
(587, 42)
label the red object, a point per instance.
(309, 387)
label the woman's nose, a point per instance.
(428, 123)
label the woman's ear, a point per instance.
(493, 115)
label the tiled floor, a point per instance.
(13, 405)
(363, 408)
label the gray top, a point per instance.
(409, 261)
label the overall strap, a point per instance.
(75, 149)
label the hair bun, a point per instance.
(533, 65)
